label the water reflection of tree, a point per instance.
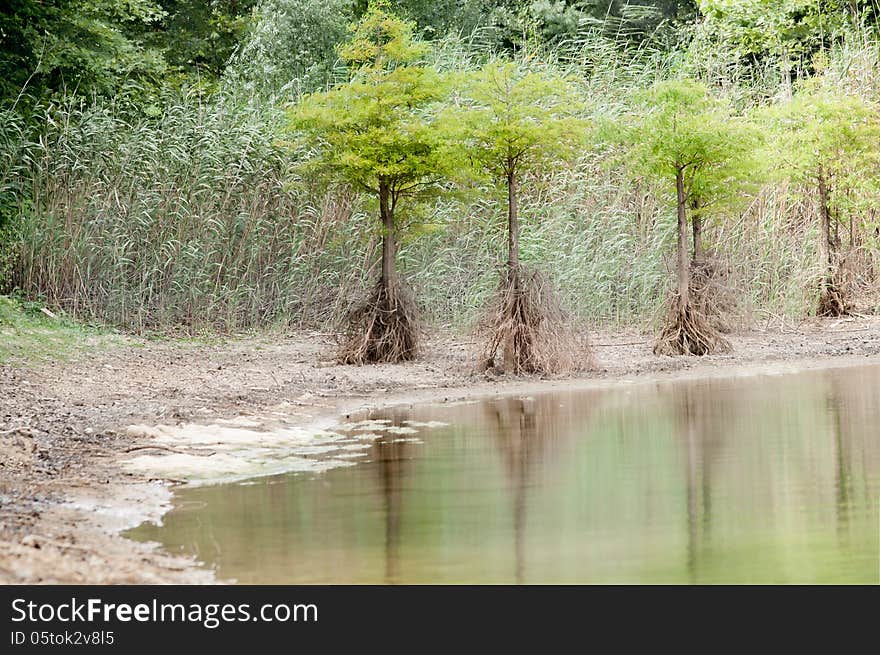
(854, 414)
(517, 434)
(514, 423)
(703, 414)
(390, 454)
(842, 477)
(527, 431)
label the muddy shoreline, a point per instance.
(68, 486)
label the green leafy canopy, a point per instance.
(519, 120)
(679, 128)
(820, 129)
(383, 127)
(791, 28)
(826, 138)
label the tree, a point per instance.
(81, 45)
(792, 29)
(379, 133)
(520, 121)
(291, 41)
(437, 17)
(690, 142)
(831, 141)
(200, 35)
(623, 20)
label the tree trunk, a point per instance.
(831, 301)
(835, 242)
(825, 245)
(389, 243)
(683, 269)
(512, 229)
(513, 277)
(697, 223)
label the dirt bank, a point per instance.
(67, 480)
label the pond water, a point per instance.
(766, 479)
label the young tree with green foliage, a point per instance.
(520, 121)
(831, 142)
(380, 133)
(688, 141)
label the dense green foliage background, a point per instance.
(144, 180)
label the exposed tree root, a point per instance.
(528, 331)
(711, 295)
(687, 331)
(832, 301)
(384, 328)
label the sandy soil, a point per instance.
(85, 445)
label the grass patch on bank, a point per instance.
(30, 334)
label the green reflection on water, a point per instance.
(762, 479)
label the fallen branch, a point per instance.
(170, 450)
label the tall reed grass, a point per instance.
(191, 218)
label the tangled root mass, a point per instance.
(687, 331)
(528, 331)
(832, 300)
(711, 293)
(383, 328)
